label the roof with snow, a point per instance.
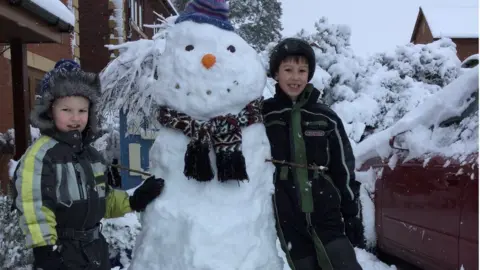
(58, 9)
(451, 22)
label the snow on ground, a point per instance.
(57, 8)
(368, 261)
(121, 232)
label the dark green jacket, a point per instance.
(310, 202)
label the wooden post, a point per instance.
(21, 97)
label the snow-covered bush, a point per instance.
(121, 234)
(434, 63)
(108, 144)
(13, 253)
(7, 139)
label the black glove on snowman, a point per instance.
(146, 193)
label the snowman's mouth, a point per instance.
(208, 91)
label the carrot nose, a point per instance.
(209, 60)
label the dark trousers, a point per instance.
(341, 255)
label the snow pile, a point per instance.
(57, 8)
(367, 193)
(424, 135)
(368, 261)
(121, 234)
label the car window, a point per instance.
(470, 63)
(471, 109)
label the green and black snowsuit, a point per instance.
(310, 205)
(61, 185)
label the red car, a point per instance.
(426, 211)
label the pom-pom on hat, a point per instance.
(214, 12)
(63, 66)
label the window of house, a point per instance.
(35, 76)
(140, 16)
(136, 12)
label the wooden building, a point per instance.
(459, 24)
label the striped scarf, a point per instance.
(223, 133)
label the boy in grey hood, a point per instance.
(60, 182)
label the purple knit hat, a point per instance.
(214, 12)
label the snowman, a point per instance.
(216, 211)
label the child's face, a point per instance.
(292, 76)
(70, 113)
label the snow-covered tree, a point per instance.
(434, 63)
(13, 252)
(257, 21)
(334, 55)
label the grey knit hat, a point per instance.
(66, 79)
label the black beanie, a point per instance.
(292, 47)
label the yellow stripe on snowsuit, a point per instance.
(37, 222)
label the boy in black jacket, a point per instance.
(314, 208)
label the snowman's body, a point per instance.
(209, 225)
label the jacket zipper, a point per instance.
(78, 176)
(87, 190)
(328, 154)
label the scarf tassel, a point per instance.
(231, 166)
(197, 162)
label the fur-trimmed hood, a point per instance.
(62, 84)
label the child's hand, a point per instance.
(147, 192)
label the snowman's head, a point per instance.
(206, 71)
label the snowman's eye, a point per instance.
(231, 48)
(189, 48)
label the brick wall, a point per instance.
(94, 29)
(53, 51)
